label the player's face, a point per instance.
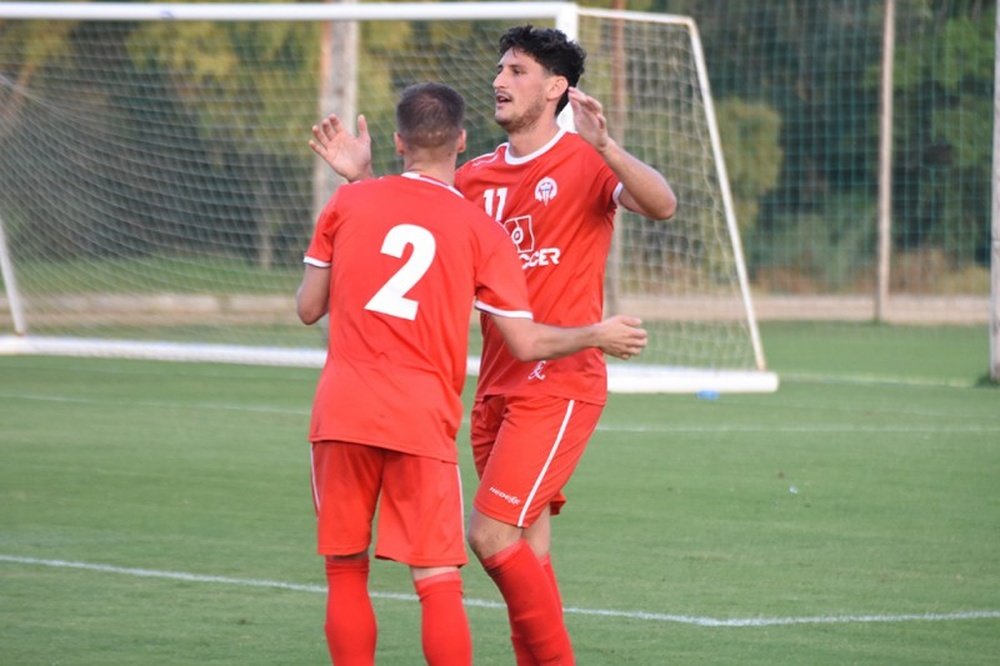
(520, 91)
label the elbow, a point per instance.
(666, 209)
(309, 315)
(525, 353)
(526, 348)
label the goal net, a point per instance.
(158, 190)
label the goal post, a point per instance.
(158, 185)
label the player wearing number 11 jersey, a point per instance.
(555, 193)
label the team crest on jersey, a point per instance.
(537, 373)
(521, 233)
(546, 190)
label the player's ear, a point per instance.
(398, 140)
(558, 85)
(461, 145)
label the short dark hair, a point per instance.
(551, 49)
(429, 115)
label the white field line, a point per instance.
(877, 380)
(942, 429)
(484, 603)
(842, 426)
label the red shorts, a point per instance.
(525, 449)
(420, 517)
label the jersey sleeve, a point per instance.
(610, 187)
(500, 284)
(320, 251)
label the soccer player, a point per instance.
(398, 262)
(556, 193)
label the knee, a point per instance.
(488, 537)
(479, 542)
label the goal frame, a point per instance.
(627, 378)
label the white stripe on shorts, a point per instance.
(312, 479)
(548, 461)
(461, 502)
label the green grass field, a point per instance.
(155, 513)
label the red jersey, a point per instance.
(558, 206)
(409, 257)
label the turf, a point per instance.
(159, 513)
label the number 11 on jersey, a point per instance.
(494, 201)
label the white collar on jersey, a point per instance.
(413, 175)
(510, 159)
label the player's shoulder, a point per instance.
(360, 189)
(571, 141)
(480, 225)
(486, 159)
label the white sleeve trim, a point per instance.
(617, 194)
(312, 261)
(512, 314)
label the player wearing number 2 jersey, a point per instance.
(397, 263)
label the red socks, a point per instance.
(444, 625)
(532, 604)
(521, 651)
(350, 619)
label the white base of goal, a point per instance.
(624, 378)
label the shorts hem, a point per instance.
(424, 563)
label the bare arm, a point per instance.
(530, 341)
(350, 156)
(645, 190)
(313, 297)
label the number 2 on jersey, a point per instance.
(391, 298)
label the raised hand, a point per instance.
(348, 155)
(621, 336)
(588, 116)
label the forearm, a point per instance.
(309, 312)
(530, 341)
(646, 191)
(548, 342)
(312, 299)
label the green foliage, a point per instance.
(750, 134)
(943, 91)
(796, 85)
(824, 252)
(818, 66)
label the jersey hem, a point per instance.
(565, 395)
(399, 448)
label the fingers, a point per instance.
(362, 125)
(328, 129)
(625, 338)
(628, 320)
(585, 101)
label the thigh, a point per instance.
(537, 447)
(420, 519)
(484, 425)
(346, 479)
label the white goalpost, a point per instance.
(157, 186)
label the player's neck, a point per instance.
(436, 170)
(525, 141)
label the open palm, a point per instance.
(348, 155)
